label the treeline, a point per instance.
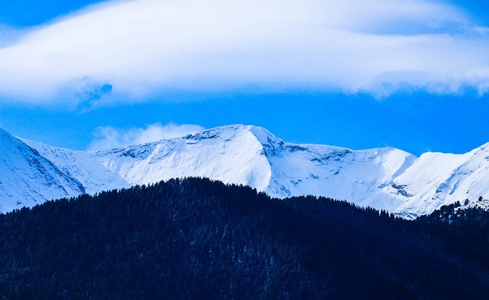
(200, 239)
(464, 231)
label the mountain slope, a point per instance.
(383, 178)
(27, 178)
(336, 172)
(438, 179)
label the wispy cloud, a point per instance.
(109, 137)
(145, 47)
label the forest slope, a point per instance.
(196, 238)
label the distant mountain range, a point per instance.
(383, 178)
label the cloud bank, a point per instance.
(109, 137)
(144, 48)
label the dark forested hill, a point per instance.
(199, 239)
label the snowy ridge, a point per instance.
(226, 154)
(384, 178)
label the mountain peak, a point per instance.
(4, 135)
(240, 131)
(263, 135)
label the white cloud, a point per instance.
(109, 137)
(145, 47)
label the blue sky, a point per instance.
(25, 13)
(325, 92)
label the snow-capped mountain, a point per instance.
(383, 178)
